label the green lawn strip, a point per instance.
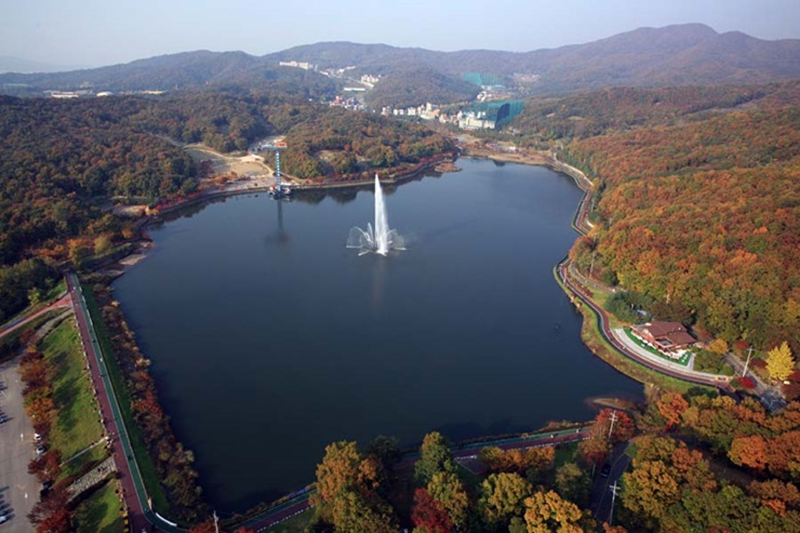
(295, 524)
(100, 513)
(9, 344)
(684, 359)
(77, 423)
(147, 468)
(565, 453)
(75, 467)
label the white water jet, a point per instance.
(379, 238)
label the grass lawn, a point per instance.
(565, 453)
(147, 467)
(684, 359)
(296, 524)
(100, 513)
(77, 424)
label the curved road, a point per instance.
(605, 329)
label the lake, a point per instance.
(270, 339)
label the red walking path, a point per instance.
(141, 517)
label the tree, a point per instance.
(47, 466)
(434, 457)
(780, 363)
(776, 494)
(623, 429)
(447, 489)
(749, 451)
(35, 296)
(502, 496)
(352, 512)
(547, 511)
(573, 483)
(429, 514)
(594, 449)
(518, 460)
(671, 406)
(204, 527)
(50, 514)
(341, 471)
(719, 346)
(102, 244)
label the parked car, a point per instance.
(46, 486)
(40, 450)
(37, 437)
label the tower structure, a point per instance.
(279, 190)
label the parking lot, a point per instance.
(19, 490)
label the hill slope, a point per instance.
(673, 55)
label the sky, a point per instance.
(102, 32)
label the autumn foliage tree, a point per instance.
(435, 456)
(346, 494)
(50, 514)
(448, 489)
(502, 496)
(518, 460)
(671, 406)
(547, 511)
(780, 363)
(620, 430)
(429, 515)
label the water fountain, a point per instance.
(378, 239)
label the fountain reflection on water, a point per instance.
(378, 239)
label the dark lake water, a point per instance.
(270, 339)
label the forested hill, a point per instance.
(409, 85)
(188, 70)
(688, 54)
(674, 55)
(700, 200)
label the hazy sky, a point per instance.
(102, 32)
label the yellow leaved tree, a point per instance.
(780, 363)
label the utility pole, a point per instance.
(614, 489)
(613, 419)
(749, 353)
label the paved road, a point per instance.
(770, 396)
(19, 490)
(601, 491)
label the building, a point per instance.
(666, 337)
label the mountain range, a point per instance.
(687, 54)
